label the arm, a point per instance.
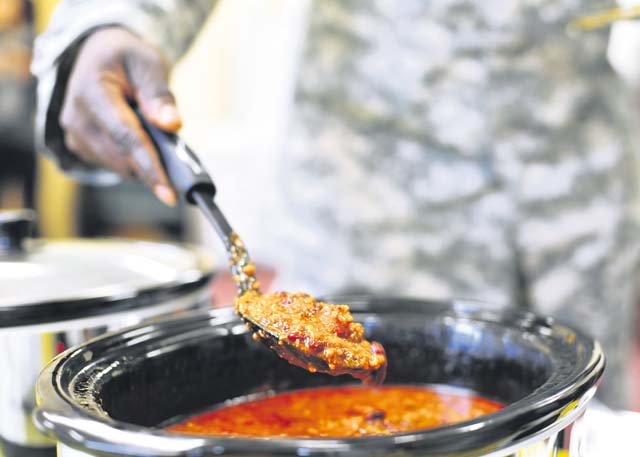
(92, 57)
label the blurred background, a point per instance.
(234, 91)
(236, 78)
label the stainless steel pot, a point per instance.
(114, 394)
(57, 294)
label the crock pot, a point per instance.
(115, 394)
(58, 293)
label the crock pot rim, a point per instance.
(53, 415)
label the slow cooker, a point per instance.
(116, 394)
(58, 293)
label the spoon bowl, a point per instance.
(306, 360)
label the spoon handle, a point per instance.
(185, 171)
(189, 177)
(187, 174)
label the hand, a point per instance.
(112, 66)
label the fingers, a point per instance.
(129, 141)
(94, 146)
(84, 138)
(101, 128)
(148, 76)
(98, 122)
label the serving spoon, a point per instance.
(193, 183)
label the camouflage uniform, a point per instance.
(451, 148)
(169, 25)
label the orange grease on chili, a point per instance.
(318, 332)
(339, 412)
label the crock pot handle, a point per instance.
(183, 167)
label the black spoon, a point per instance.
(193, 184)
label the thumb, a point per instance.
(151, 91)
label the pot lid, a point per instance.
(43, 280)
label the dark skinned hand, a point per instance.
(112, 66)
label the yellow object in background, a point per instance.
(42, 12)
(55, 201)
(603, 19)
(11, 12)
(55, 194)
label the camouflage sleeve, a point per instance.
(169, 25)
